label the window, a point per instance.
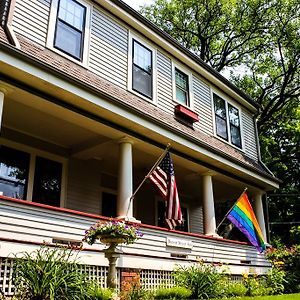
(43, 185)
(142, 69)
(14, 167)
(161, 208)
(182, 87)
(69, 29)
(227, 120)
(47, 181)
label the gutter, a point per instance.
(64, 76)
(8, 25)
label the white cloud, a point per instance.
(137, 3)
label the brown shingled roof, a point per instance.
(125, 98)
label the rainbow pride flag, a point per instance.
(242, 216)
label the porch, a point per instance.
(25, 226)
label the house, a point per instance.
(90, 95)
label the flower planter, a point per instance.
(106, 239)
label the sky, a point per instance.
(136, 3)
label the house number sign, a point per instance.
(179, 243)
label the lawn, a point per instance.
(278, 297)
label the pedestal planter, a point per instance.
(112, 233)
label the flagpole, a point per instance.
(149, 173)
(230, 210)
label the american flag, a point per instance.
(163, 177)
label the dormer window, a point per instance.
(227, 121)
(182, 87)
(69, 31)
(142, 67)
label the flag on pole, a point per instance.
(243, 217)
(163, 177)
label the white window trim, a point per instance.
(132, 37)
(33, 152)
(190, 82)
(86, 41)
(159, 199)
(235, 105)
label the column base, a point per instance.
(129, 219)
(215, 235)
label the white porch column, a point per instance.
(124, 207)
(259, 212)
(209, 217)
(1, 106)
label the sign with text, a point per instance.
(179, 243)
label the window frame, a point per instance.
(189, 75)
(52, 28)
(131, 38)
(228, 124)
(33, 153)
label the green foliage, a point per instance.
(287, 260)
(201, 279)
(276, 280)
(295, 235)
(234, 289)
(95, 292)
(173, 293)
(48, 274)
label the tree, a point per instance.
(257, 42)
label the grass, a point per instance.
(278, 297)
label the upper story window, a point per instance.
(142, 69)
(182, 87)
(69, 29)
(227, 120)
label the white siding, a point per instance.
(249, 135)
(196, 219)
(164, 83)
(84, 191)
(108, 49)
(31, 19)
(203, 106)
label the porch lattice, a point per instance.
(152, 279)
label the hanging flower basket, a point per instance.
(116, 232)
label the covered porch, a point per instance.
(56, 155)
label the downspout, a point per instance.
(258, 145)
(8, 25)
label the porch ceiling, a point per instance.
(76, 135)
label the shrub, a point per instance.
(276, 280)
(287, 259)
(48, 274)
(95, 292)
(202, 280)
(172, 293)
(234, 289)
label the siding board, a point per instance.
(108, 49)
(249, 135)
(164, 83)
(31, 19)
(202, 106)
